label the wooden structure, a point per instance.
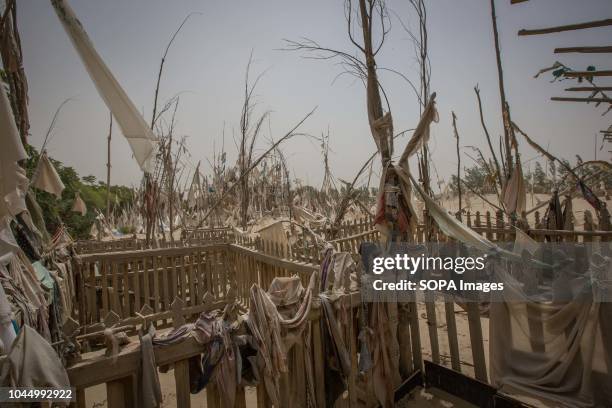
(589, 75)
(164, 285)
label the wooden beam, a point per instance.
(576, 74)
(589, 88)
(570, 27)
(589, 50)
(564, 99)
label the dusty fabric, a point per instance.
(226, 372)
(421, 133)
(195, 190)
(285, 290)
(394, 207)
(7, 331)
(447, 223)
(133, 126)
(524, 242)
(13, 180)
(25, 292)
(267, 327)
(149, 388)
(65, 282)
(515, 193)
(340, 276)
(45, 177)
(32, 362)
(382, 369)
(274, 233)
(560, 352)
(79, 205)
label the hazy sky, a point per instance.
(208, 59)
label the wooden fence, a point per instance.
(128, 280)
(147, 282)
(226, 272)
(139, 284)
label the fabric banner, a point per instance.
(46, 178)
(133, 126)
(79, 205)
(13, 180)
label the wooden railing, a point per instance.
(121, 376)
(148, 281)
(126, 282)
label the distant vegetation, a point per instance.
(539, 180)
(92, 191)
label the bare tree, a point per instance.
(250, 129)
(12, 61)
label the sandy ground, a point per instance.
(474, 203)
(96, 396)
(431, 398)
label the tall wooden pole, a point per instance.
(502, 94)
(108, 167)
(458, 165)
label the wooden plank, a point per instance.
(576, 74)
(146, 288)
(240, 398)
(198, 277)
(80, 399)
(136, 283)
(192, 291)
(589, 50)
(127, 310)
(174, 279)
(451, 326)
(115, 394)
(181, 376)
(476, 341)
(432, 326)
(570, 99)
(262, 397)
(183, 279)
(570, 27)
(167, 314)
(164, 263)
(156, 286)
(213, 399)
(415, 334)
(319, 371)
(589, 89)
(116, 307)
(104, 269)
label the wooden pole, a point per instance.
(603, 49)
(576, 74)
(502, 94)
(108, 167)
(567, 99)
(589, 88)
(570, 27)
(458, 164)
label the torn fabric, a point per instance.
(515, 193)
(133, 126)
(32, 362)
(46, 178)
(79, 205)
(13, 180)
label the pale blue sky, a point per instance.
(209, 57)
